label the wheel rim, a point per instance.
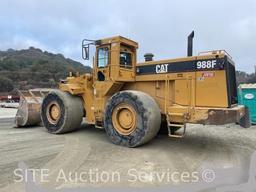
(53, 112)
(124, 119)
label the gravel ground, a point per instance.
(204, 147)
(7, 113)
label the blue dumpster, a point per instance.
(247, 97)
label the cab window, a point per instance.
(126, 60)
(103, 56)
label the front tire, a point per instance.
(61, 112)
(132, 118)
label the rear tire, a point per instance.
(138, 121)
(61, 112)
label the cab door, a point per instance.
(102, 68)
(101, 76)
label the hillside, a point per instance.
(30, 68)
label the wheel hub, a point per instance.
(124, 119)
(53, 112)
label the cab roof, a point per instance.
(119, 39)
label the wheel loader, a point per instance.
(131, 100)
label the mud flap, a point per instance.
(245, 121)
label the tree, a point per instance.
(252, 79)
(5, 84)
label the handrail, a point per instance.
(189, 85)
(214, 52)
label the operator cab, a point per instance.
(115, 59)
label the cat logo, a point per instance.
(163, 68)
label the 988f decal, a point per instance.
(210, 64)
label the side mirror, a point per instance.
(86, 47)
(85, 51)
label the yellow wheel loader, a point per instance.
(130, 100)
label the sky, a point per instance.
(159, 26)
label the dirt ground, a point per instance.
(204, 147)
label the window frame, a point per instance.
(126, 66)
(108, 56)
(126, 49)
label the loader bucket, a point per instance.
(28, 113)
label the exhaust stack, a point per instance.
(190, 44)
(148, 57)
